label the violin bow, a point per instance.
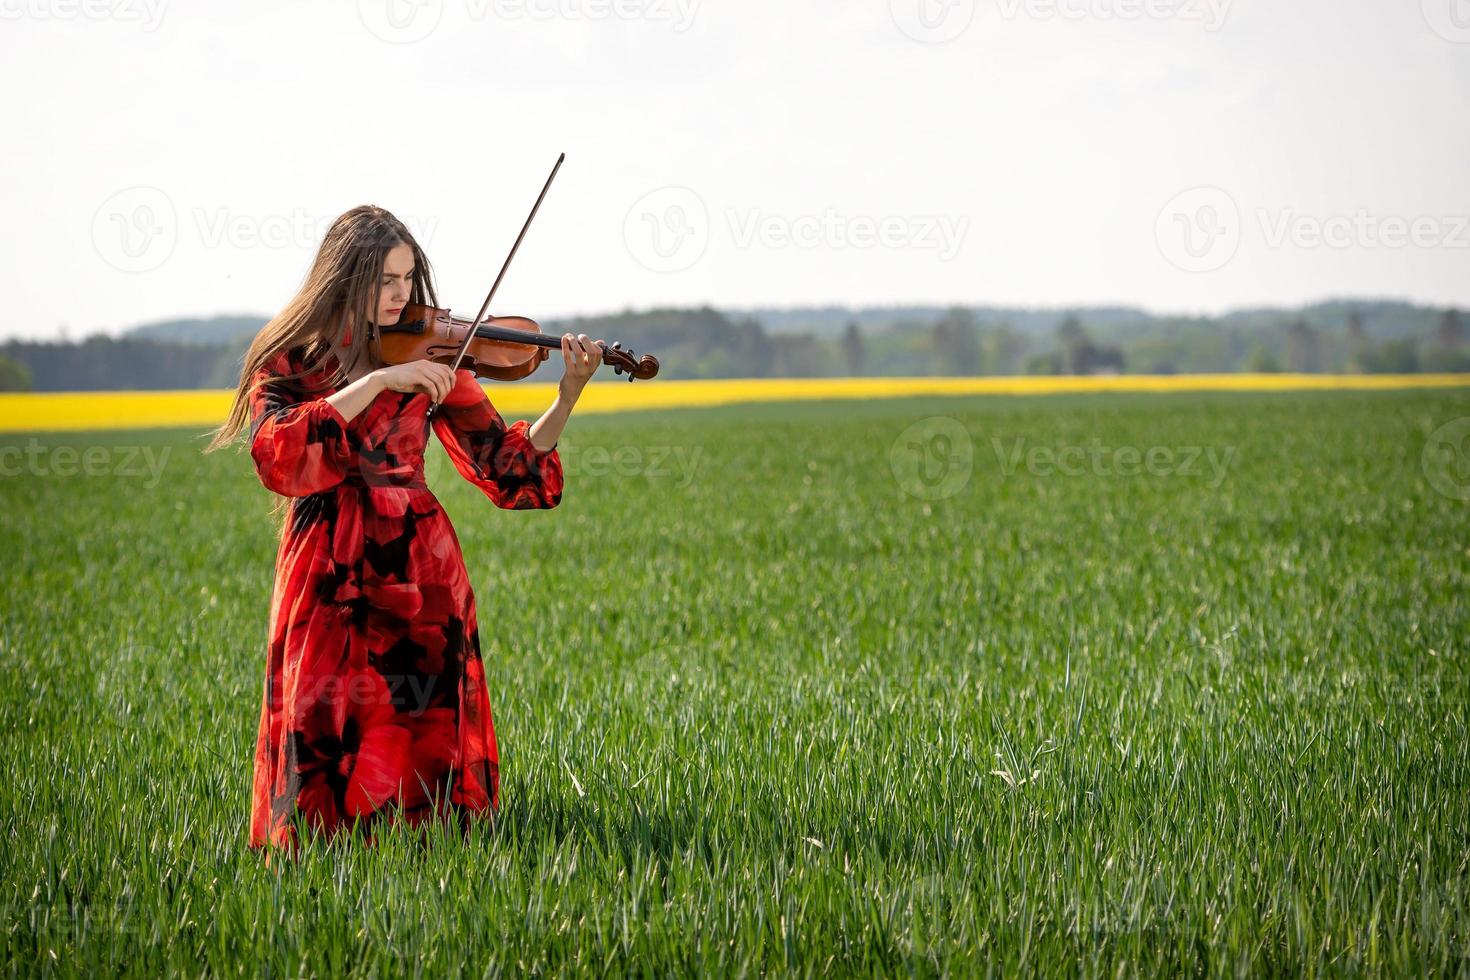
(470, 334)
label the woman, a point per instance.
(375, 705)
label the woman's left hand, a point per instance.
(583, 356)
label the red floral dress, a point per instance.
(375, 703)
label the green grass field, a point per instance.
(775, 697)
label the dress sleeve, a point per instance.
(500, 460)
(299, 446)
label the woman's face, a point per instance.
(396, 284)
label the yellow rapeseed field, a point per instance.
(53, 411)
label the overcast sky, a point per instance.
(163, 159)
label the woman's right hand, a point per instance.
(415, 376)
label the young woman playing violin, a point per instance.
(375, 705)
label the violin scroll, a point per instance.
(622, 360)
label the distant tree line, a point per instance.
(707, 343)
(15, 375)
(103, 363)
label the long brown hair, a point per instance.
(344, 284)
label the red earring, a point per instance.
(347, 336)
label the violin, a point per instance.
(505, 348)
